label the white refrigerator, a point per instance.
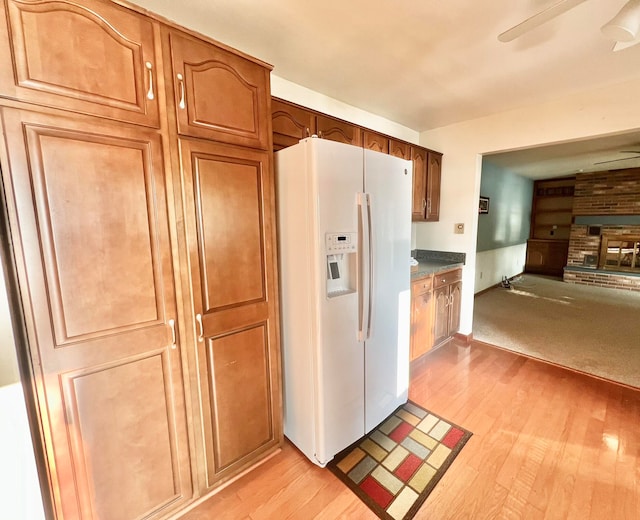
(344, 236)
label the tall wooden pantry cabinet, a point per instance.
(139, 193)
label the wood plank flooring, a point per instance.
(548, 443)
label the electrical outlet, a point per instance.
(458, 229)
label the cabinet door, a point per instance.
(374, 141)
(432, 213)
(441, 314)
(90, 227)
(290, 123)
(399, 149)
(419, 204)
(219, 95)
(231, 235)
(455, 299)
(87, 56)
(336, 130)
(421, 318)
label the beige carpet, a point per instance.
(591, 329)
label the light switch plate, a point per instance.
(458, 229)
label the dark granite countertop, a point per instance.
(430, 262)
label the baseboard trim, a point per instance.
(499, 284)
(464, 338)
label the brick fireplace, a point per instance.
(606, 206)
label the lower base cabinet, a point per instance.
(421, 316)
(546, 256)
(435, 310)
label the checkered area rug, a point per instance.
(395, 467)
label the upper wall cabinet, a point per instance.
(337, 130)
(290, 124)
(219, 95)
(375, 141)
(419, 204)
(399, 149)
(427, 167)
(87, 56)
(434, 169)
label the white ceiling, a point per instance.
(424, 63)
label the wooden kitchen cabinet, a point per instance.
(421, 316)
(419, 199)
(434, 171)
(400, 149)
(218, 94)
(232, 231)
(290, 123)
(435, 310)
(144, 232)
(337, 130)
(546, 256)
(229, 208)
(427, 167)
(447, 288)
(89, 218)
(375, 141)
(109, 68)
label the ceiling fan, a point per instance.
(635, 156)
(624, 28)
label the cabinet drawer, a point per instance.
(421, 285)
(447, 278)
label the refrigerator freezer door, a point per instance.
(337, 174)
(388, 181)
(323, 362)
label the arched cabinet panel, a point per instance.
(90, 57)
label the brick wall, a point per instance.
(581, 244)
(602, 193)
(607, 193)
(615, 281)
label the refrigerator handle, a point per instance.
(363, 266)
(370, 267)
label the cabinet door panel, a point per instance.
(96, 274)
(290, 124)
(421, 321)
(399, 149)
(433, 187)
(419, 204)
(242, 419)
(455, 295)
(441, 318)
(88, 56)
(229, 192)
(219, 95)
(374, 141)
(336, 130)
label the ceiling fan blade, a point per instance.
(619, 46)
(616, 160)
(538, 19)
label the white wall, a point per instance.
(19, 487)
(609, 110)
(492, 265)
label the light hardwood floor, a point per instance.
(547, 443)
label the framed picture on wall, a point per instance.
(484, 205)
